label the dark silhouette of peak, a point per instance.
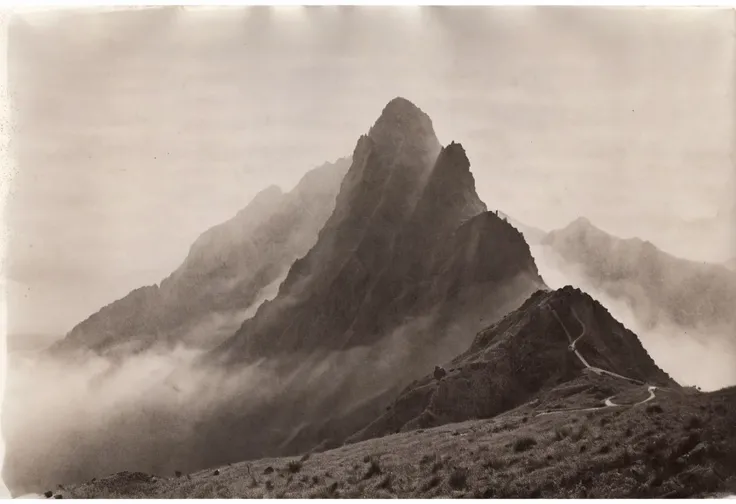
(407, 269)
(516, 359)
(400, 114)
(403, 137)
(364, 273)
(449, 196)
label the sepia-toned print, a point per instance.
(370, 252)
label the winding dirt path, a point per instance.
(608, 402)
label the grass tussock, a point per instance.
(524, 443)
(294, 466)
(374, 469)
(551, 456)
(458, 479)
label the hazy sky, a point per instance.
(136, 131)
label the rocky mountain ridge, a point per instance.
(514, 360)
(229, 270)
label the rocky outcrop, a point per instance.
(512, 361)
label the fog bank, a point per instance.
(692, 356)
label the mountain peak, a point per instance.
(581, 222)
(401, 107)
(404, 126)
(580, 227)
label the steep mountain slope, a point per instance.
(519, 357)
(654, 283)
(408, 236)
(406, 269)
(227, 273)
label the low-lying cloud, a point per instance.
(160, 411)
(697, 356)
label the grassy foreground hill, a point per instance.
(680, 444)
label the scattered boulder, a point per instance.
(439, 373)
(48, 494)
(697, 453)
(268, 470)
(58, 496)
(217, 472)
(177, 474)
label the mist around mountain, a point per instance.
(30, 342)
(682, 310)
(510, 364)
(402, 271)
(229, 271)
(532, 235)
(407, 267)
(688, 293)
(363, 290)
(677, 445)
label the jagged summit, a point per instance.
(402, 193)
(457, 151)
(408, 268)
(404, 133)
(401, 111)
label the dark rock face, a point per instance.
(652, 282)
(516, 358)
(406, 270)
(227, 271)
(408, 228)
(439, 373)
